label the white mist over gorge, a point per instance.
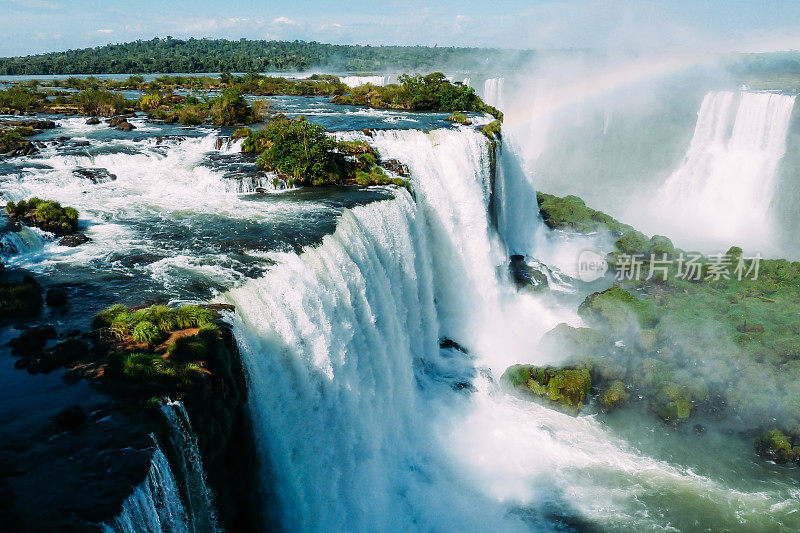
(278, 285)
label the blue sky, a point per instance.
(33, 26)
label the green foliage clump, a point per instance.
(192, 114)
(150, 101)
(432, 92)
(151, 369)
(300, 150)
(146, 332)
(194, 316)
(230, 108)
(20, 98)
(242, 133)
(492, 130)
(459, 118)
(673, 403)
(155, 321)
(48, 215)
(97, 101)
(355, 148)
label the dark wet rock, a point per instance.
(463, 386)
(113, 122)
(32, 340)
(395, 166)
(446, 343)
(95, 174)
(74, 239)
(35, 124)
(92, 121)
(15, 148)
(71, 418)
(81, 143)
(20, 298)
(56, 297)
(126, 126)
(368, 132)
(70, 351)
(170, 139)
(525, 276)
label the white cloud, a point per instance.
(105, 31)
(284, 21)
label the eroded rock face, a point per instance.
(525, 276)
(395, 166)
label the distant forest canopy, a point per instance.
(221, 55)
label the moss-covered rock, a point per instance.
(613, 396)
(565, 340)
(617, 310)
(47, 215)
(673, 403)
(775, 446)
(567, 387)
(459, 118)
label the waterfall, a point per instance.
(493, 92)
(355, 81)
(22, 241)
(727, 179)
(155, 505)
(341, 346)
(183, 443)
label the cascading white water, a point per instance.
(199, 505)
(20, 242)
(359, 414)
(356, 81)
(727, 180)
(155, 505)
(336, 342)
(493, 92)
